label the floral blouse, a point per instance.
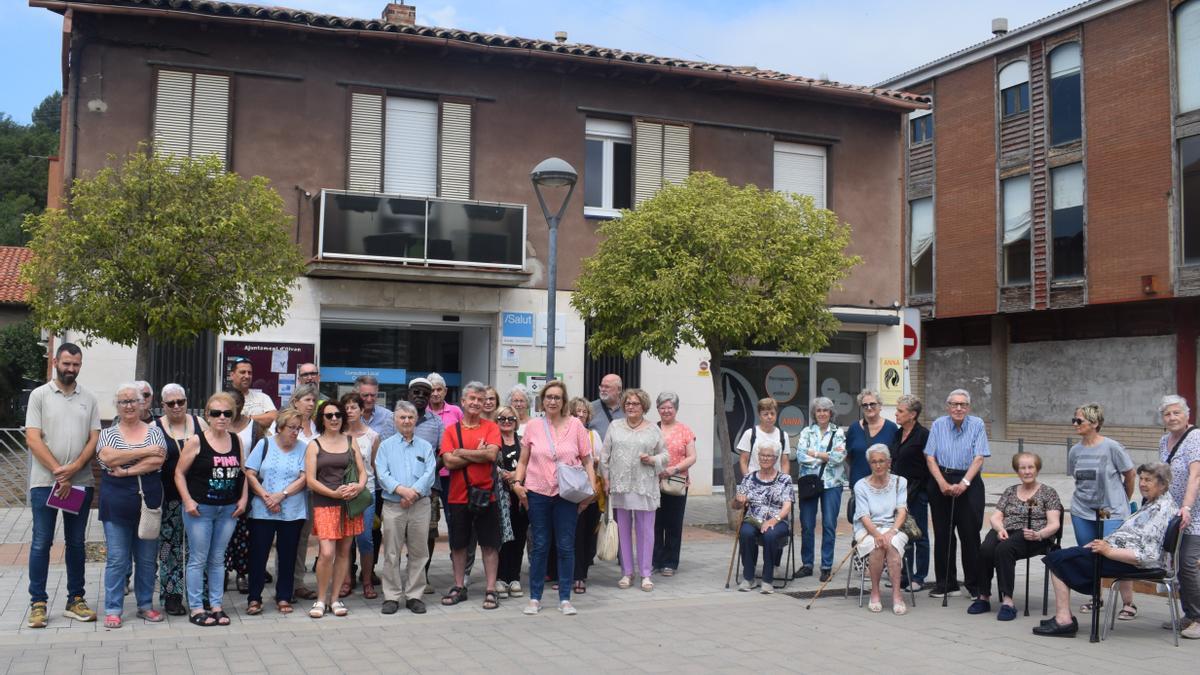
(1143, 533)
(1032, 514)
(765, 500)
(811, 438)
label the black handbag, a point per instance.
(478, 499)
(812, 485)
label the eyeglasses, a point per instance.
(367, 395)
(176, 404)
(312, 373)
(146, 394)
(334, 415)
(551, 397)
(869, 406)
(633, 404)
(505, 418)
(291, 428)
(220, 413)
(958, 404)
(128, 402)
(1076, 420)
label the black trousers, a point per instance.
(512, 553)
(668, 530)
(285, 534)
(968, 520)
(1002, 556)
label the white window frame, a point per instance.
(1187, 51)
(608, 132)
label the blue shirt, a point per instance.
(955, 447)
(857, 442)
(382, 422)
(280, 470)
(430, 428)
(400, 462)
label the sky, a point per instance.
(861, 42)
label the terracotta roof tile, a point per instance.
(12, 291)
(237, 10)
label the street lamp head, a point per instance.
(553, 172)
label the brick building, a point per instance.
(1052, 229)
(404, 152)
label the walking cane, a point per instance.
(737, 539)
(1028, 526)
(1101, 516)
(949, 556)
(832, 574)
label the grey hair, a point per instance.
(145, 386)
(879, 449)
(768, 444)
(821, 403)
(1174, 399)
(303, 390)
(868, 392)
(518, 389)
(474, 385)
(667, 397)
(436, 380)
(135, 387)
(959, 392)
(173, 388)
(912, 403)
(365, 379)
(1160, 471)
(405, 406)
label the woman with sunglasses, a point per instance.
(213, 491)
(177, 426)
(512, 552)
(873, 428)
(325, 463)
(1104, 479)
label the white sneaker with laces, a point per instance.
(532, 608)
(744, 586)
(567, 608)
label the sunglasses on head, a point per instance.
(220, 413)
(176, 404)
(506, 418)
(334, 415)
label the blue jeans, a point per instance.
(772, 541)
(123, 550)
(74, 531)
(918, 553)
(207, 536)
(365, 541)
(1087, 530)
(831, 502)
(551, 516)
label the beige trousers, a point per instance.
(404, 528)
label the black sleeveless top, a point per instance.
(174, 447)
(215, 478)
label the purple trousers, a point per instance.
(643, 522)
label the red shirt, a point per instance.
(481, 472)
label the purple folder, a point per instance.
(73, 502)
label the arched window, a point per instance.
(1065, 109)
(1187, 55)
(1014, 88)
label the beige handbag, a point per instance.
(607, 541)
(150, 520)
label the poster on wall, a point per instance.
(891, 380)
(275, 364)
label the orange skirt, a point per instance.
(329, 523)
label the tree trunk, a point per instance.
(141, 369)
(715, 356)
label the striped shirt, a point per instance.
(955, 447)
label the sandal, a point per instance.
(456, 595)
(625, 582)
(202, 619)
(647, 585)
(491, 600)
(1128, 612)
(283, 606)
(151, 615)
(339, 609)
(304, 593)
(346, 588)
(318, 610)
(112, 621)
(221, 617)
(875, 606)
(254, 608)
(369, 592)
(1086, 608)
(899, 609)
(580, 586)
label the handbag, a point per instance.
(909, 527)
(812, 485)
(675, 486)
(573, 482)
(150, 519)
(608, 542)
(358, 504)
(478, 499)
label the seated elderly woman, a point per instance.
(1137, 544)
(767, 495)
(880, 507)
(1026, 518)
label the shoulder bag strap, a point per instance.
(1179, 443)
(550, 438)
(604, 407)
(458, 430)
(828, 448)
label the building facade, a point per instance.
(1052, 229)
(404, 154)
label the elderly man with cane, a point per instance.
(955, 453)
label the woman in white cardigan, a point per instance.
(631, 459)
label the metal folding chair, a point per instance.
(1168, 577)
(859, 564)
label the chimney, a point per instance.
(999, 27)
(400, 14)
(560, 36)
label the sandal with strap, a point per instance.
(369, 592)
(580, 586)
(254, 608)
(221, 617)
(491, 600)
(1128, 612)
(339, 609)
(112, 621)
(456, 595)
(202, 619)
(318, 610)
(1086, 608)
(345, 590)
(283, 606)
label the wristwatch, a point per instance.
(285, 492)
(966, 482)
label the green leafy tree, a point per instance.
(24, 151)
(48, 114)
(22, 357)
(717, 267)
(164, 249)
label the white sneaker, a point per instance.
(744, 586)
(532, 608)
(514, 590)
(567, 608)
(768, 589)
(1192, 632)
(501, 589)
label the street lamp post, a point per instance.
(552, 173)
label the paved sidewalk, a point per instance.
(689, 623)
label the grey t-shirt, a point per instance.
(1099, 480)
(601, 420)
(66, 421)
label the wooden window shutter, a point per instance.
(173, 114)
(662, 152)
(366, 143)
(454, 153)
(210, 117)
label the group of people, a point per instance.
(187, 499)
(898, 472)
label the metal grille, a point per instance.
(594, 370)
(189, 365)
(14, 468)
